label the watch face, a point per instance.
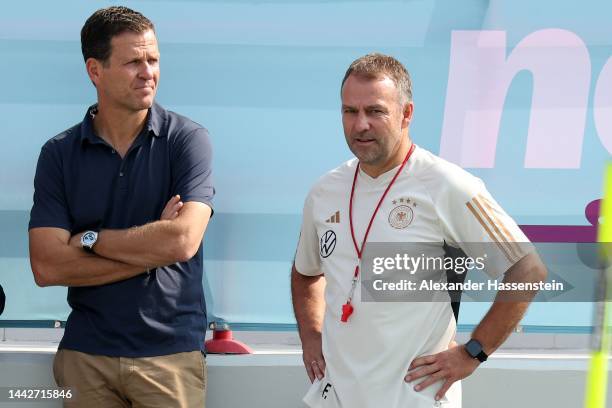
(473, 348)
(89, 238)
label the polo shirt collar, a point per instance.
(154, 121)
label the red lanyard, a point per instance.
(347, 308)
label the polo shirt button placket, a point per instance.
(122, 184)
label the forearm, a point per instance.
(509, 308)
(308, 304)
(155, 244)
(70, 266)
(499, 322)
(172, 239)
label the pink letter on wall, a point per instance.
(478, 81)
(602, 106)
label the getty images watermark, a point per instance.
(421, 272)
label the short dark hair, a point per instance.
(375, 65)
(104, 24)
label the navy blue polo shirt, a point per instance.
(81, 183)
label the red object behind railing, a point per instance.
(223, 341)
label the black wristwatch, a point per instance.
(474, 349)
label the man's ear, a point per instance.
(407, 114)
(94, 70)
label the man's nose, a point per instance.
(146, 71)
(362, 124)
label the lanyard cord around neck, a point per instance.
(347, 308)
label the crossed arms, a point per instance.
(57, 258)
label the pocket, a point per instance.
(204, 370)
(58, 368)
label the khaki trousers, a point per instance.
(176, 380)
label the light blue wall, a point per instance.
(263, 77)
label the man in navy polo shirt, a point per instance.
(121, 204)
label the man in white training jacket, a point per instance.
(395, 354)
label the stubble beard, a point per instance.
(138, 104)
(372, 155)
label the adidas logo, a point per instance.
(334, 219)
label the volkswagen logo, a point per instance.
(328, 243)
